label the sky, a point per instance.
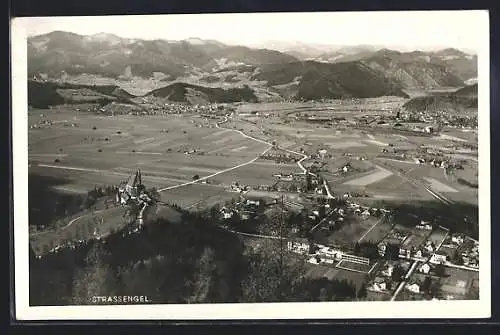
(423, 30)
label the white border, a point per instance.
(321, 310)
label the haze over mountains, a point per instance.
(302, 72)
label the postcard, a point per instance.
(329, 165)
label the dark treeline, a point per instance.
(187, 262)
(47, 205)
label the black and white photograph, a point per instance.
(252, 166)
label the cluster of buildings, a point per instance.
(244, 209)
(467, 249)
(279, 157)
(134, 191)
(445, 118)
(322, 254)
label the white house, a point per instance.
(327, 260)
(415, 288)
(388, 271)
(458, 239)
(253, 202)
(438, 258)
(429, 248)
(382, 286)
(425, 268)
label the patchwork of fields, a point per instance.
(169, 151)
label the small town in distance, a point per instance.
(355, 195)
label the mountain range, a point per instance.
(305, 72)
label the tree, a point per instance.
(362, 292)
(426, 284)
(96, 278)
(440, 270)
(397, 273)
(323, 294)
(196, 177)
(457, 258)
(391, 252)
(203, 282)
(308, 182)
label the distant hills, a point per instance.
(43, 95)
(463, 99)
(182, 92)
(315, 80)
(207, 67)
(111, 56)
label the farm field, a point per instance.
(416, 239)
(197, 196)
(376, 176)
(438, 236)
(119, 145)
(353, 266)
(377, 233)
(350, 232)
(460, 284)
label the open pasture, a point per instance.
(416, 239)
(438, 186)
(197, 195)
(459, 284)
(351, 231)
(370, 178)
(438, 235)
(377, 233)
(119, 145)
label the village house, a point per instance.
(424, 225)
(365, 214)
(438, 258)
(388, 270)
(379, 284)
(429, 247)
(458, 239)
(405, 253)
(415, 288)
(382, 247)
(302, 247)
(226, 213)
(424, 268)
(253, 202)
(418, 254)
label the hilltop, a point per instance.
(312, 80)
(448, 67)
(44, 94)
(462, 100)
(182, 92)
